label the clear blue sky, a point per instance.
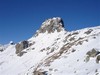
(19, 19)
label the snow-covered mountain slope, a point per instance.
(54, 51)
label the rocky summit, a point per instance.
(53, 51)
(52, 25)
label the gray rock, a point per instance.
(89, 31)
(21, 53)
(40, 73)
(87, 58)
(51, 25)
(98, 59)
(92, 53)
(20, 46)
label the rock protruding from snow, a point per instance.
(1, 48)
(52, 25)
(20, 46)
(93, 53)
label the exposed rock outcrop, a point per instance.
(20, 46)
(51, 25)
(1, 48)
(39, 73)
(89, 31)
(93, 53)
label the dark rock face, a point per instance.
(20, 46)
(1, 48)
(51, 25)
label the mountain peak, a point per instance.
(53, 52)
(51, 25)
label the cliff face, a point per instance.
(54, 51)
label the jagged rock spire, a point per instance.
(51, 25)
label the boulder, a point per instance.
(20, 46)
(92, 53)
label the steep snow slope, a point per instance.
(71, 55)
(54, 52)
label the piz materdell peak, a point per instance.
(53, 51)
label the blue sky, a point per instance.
(19, 19)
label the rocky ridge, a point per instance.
(54, 51)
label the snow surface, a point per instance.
(68, 63)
